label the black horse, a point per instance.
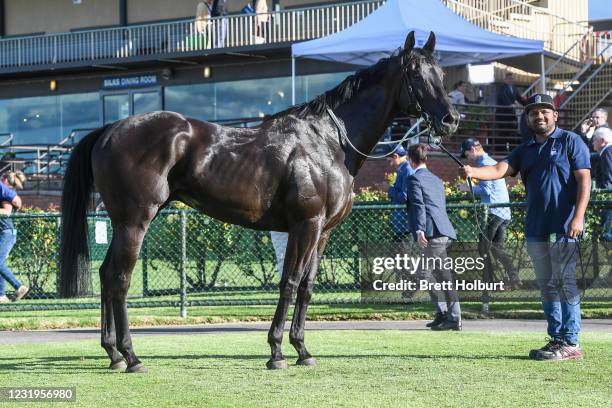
(292, 173)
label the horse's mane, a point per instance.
(341, 93)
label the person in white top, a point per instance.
(261, 20)
(457, 96)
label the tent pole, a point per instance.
(292, 80)
(542, 74)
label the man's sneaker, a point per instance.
(439, 318)
(4, 299)
(21, 292)
(563, 351)
(547, 349)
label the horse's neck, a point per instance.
(365, 117)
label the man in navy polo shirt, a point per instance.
(555, 168)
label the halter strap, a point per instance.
(344, 140)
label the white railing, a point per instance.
(523, 20)
(187, 36)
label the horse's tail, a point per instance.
(74, 246)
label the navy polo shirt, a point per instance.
(547, 172)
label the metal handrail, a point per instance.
(184, 36)
(489, 21)
(546, 11)
(9, 140)
(557, 61)
(587, 81)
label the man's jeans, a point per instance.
(555, 269)
(8, 237)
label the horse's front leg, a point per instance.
(301, 245)
(296, 334)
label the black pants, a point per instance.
(506, 129)
(433, 271)
(491, 245)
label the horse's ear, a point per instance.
(410, 41)
(431, 42)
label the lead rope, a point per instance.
(345, 140)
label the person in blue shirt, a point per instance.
(9, 200)
(397, 193)
(555, 168)
(492, 239)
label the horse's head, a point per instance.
(422, 91)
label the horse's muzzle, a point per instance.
(449, 123)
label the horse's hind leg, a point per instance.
(304, 294)
(127, 240)
(302, 242)
(108, 334)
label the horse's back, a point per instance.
(131, 161)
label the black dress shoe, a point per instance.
(438, 318)
(446, 325)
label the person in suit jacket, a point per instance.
(505, 116)
(602, 143)
(433, 231)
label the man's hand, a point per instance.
(575, 228)
(584, 127)
(16, 202)
(422, 240)
(467, 171)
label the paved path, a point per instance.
(496, 325)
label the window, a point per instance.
(48, 119)
(247, 98)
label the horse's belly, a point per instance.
(226, 209)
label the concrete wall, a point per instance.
(51, 16)
(140, 11)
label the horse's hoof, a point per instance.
(138, 368)
(310, 361)
(277, 364)
(119, 365)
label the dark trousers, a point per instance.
(491, 248)
(506, 128)
(445, 301)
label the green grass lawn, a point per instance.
(356, 369)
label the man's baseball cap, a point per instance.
(542, 100)
(468, 144)
(397, 149)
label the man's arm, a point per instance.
(500, 170)
(417, 210)
(583, 181)
(417, 206)
(16, 203)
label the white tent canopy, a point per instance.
(458, 41)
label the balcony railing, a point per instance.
(523, 20)
(182, 37)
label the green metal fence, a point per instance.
(191, 259)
